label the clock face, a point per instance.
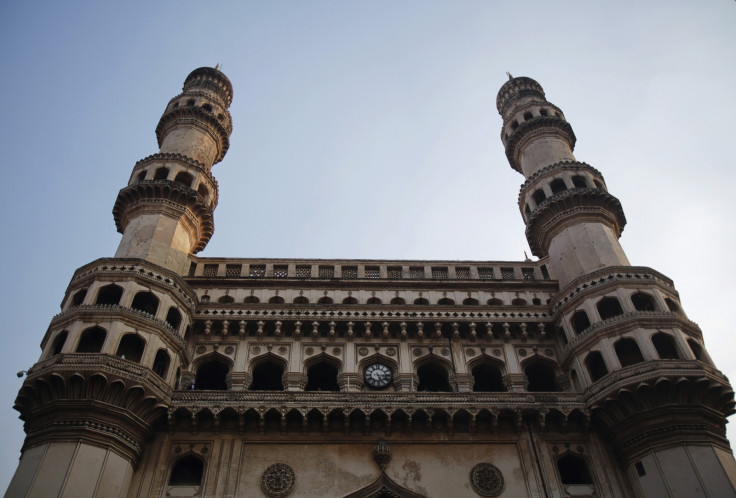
(378, 375)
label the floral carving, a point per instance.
(486, 479)
(278, 480)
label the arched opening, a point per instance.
(672, 305)
(226, 300)
(350, 300)
(487, 378)
(598, 184)
(109, 294)
(131, 347)
(161, 363)
(470, 302)
(527, 210)
(446, 301)
(92, 340)
(141, 176)
(202, 191)
(399, 301)
(301, 300)
(596, 365)
(173, 318)
(161, 174)
(325, 300)
(573, 470)
(207, 107)
(608, 307)
(697, 350)
(79, 297)
(433, 378)
(59, 342)
(146, 302)
(267, 377)
(579, 181)
(374, 300)
(665, 346)
(528, 116)
(276, 300)
(495, 302)
(538, 196)
(540, 377)
(557, 185)
(212, 375)
(543, 112)
(187, 471)
(628, 352)
(184, 178)
(420, 301)
(518, 302)
(251, 300)
(580, 321)
(322, 376)
(643, 302)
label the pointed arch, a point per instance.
(212, 372)
(487, 374)
(267, 371)
(322, 371)
(383, 486)
(434, 374)
(541, 374)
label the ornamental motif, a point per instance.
(549, 352)
(278, 480)
(417, 352)
(201, 349)
(363, 351)
(486, 479)
(309, 350)
(255, 350)
(283, 350)
(522, 352)
(470, 352)
(445, 351)
(229, 350)
(336, 351)
(496, 352)
(391, 351)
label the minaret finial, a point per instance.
(509, 75)
(217, 66)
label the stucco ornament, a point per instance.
(486, 479)
(278, 480)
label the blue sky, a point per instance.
(363, 130)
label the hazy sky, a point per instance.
(364, 130)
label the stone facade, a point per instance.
(167, 374)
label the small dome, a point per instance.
(212, 74)
(516, 87)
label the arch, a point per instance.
(528, 116)
(665, 346)
(184, 178)
(226, 299)
(487, 377)
(301, 300)
(539, 196)
(598, 184)
(131, 347)
(142, 176)
(470, 302)
(494, 301)
(399, 301)
(109, 294)
(672, 305)
(78, 297)
(322, 376)
(251, 300)
(161, 174)
(557, 185)
(350, 300)
(207, 107)
(59, 342)
(579, 181)
(446, 301)
(697, 350)
(643, 302)
(202, 190)
(573, 470)
(420, 301)
(378, 358)
(628, 352)
(374, 300)
(92, 340)
(608, 307)
(145, 301)
(540, 376)
(187, 471)
(267, 374)
(596, 365)
(173, 318)
(276, 300)
(518, 302)
(212, 373)
(325, 300)
(579, 321)
(433, 377)
(161, 363)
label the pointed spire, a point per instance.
(509, 75)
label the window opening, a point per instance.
(161, 363)
(665, 346)
(322, 377)
(146, 302)
(573, 470)
(187, 472)
(596, 365)
(433, 378)
(267, 377)
(212, 376)
(609, 307)
(92, 340)
(540, 377)
(131, 347)
(487, 379)
(628, 352)
(109, 294)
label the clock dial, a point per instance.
(378, 375)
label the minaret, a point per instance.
(111, 359)
(165, 212)
(626, 343)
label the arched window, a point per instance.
(598, 184)
(177, 377)
(573, 470)
(202, 190)
(518, 302)
(251, 300)
(161, 363)
(190, 102)
(325, 300)
(187, 471)
(527, 210)
(109, 294)
(276, 300)
(420, 301)
(267, 377)
(59, 342)
(161, 174)
(487, 378)
(643, 302)
(398, 301)
(301, 300)
(145, 301)
(665, 346)
(580, 321)
(543, 112)
(184, 178)
(207, 107)
(374, 300)
(79, 297)
(540, 377)
(141, 176)
(557, 185)
(672, 305)
(350, 300)
(538, 196)
(446, 301)
(212, 376)
(697, 350)
(579, 181)
(495, 302)
(322, 377)
(131, 347)
(596, 365)
(470, 302)
(226, 300)
(92, 340)
(628, 352)
(173, 318)
(433, 378)
(608, 307)
(528, 116)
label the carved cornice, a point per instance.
(572, 207)
(197, 117)
(210, 78)
(529, 131)
(555, 168)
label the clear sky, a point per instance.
(363, 130)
